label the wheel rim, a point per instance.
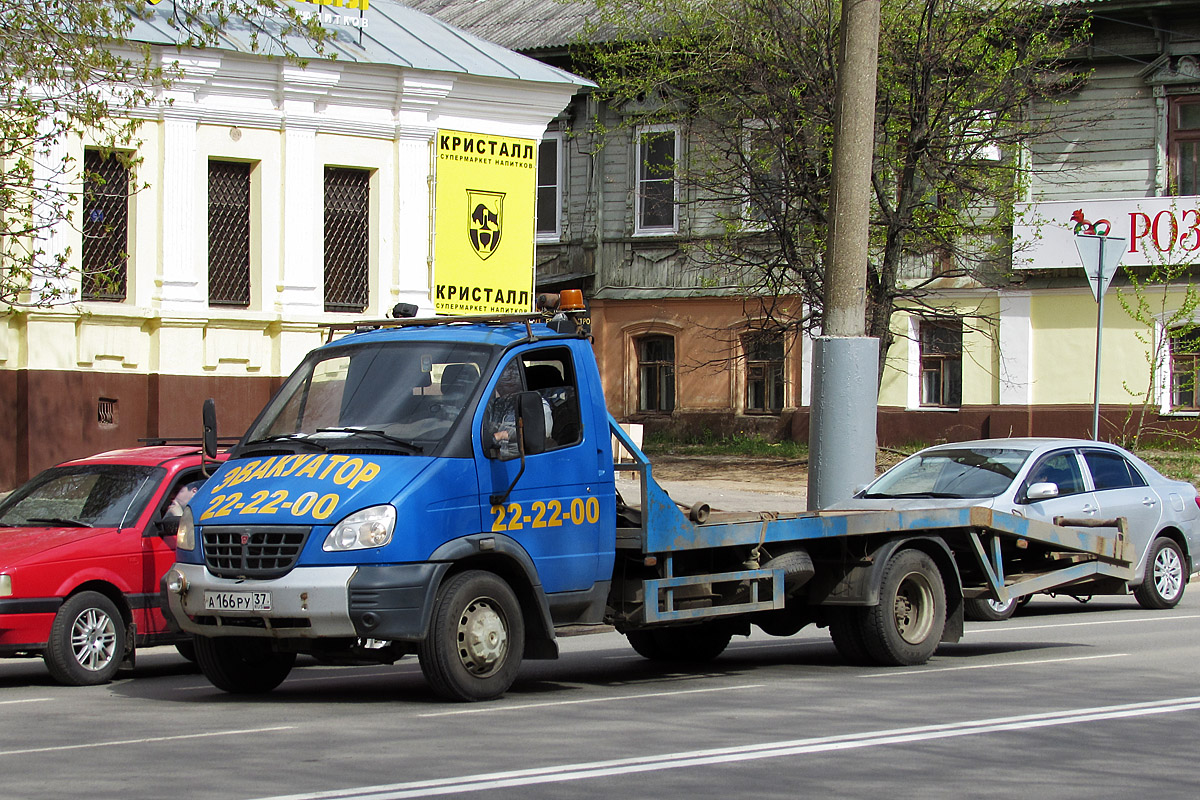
(94, 640)
(1168, 573)
(999, 607)
(482, 637)
(914, 608)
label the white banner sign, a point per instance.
(1155, 230)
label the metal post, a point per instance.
(1099, 335)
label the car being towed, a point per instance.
(82, 548)
(1047, 478)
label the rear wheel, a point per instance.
(985, 610)
(1162, 585)
(846, 626)
(242, 665)
(907, 625)
(694, 643)
(476, 638)
(87, 641)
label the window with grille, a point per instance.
(1185, 368)
(228, 233)
(347, 238)
(764, 372)
(1184, 144)
(656, 373)
(105, 251)
(941, 363)
(656, 150)
(549, 187)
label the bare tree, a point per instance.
(753, 84)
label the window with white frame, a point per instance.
(549, 187)
(761, 175)
(655, 207)
(941, 362)
(1185, 367)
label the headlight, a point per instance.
(5, 585)
(185, 539)
(371, 527)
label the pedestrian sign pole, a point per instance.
(1100, 256)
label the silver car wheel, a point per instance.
(1168, 573)
(94, 639)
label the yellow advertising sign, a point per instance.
(484, 225)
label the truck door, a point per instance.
(554, 510)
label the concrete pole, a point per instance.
(845, 364)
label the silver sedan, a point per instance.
(1047, 478)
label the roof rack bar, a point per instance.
(467, 319)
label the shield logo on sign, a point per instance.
(486, 210)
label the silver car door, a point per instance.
(1122, 491)
(1074, 500)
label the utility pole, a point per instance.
(845, 361)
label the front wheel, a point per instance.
(242, 665)
(985, 610)
(476, 638)
(907, 625)
(1162, 585)
(87, 641)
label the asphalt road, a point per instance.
(1064, 701)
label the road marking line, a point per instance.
(1157, 618)
(30, 700)
(522, 706)
(890, 673)
(150, 740)
(726, 755)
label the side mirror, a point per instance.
(209, 417)
(1041, 491)
(168, 526)
(531, 412)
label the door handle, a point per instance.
(1149, 501)
(1088, 508)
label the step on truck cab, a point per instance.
(446, 488)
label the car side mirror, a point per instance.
(168, 526)
(1041, 491)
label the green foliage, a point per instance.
(752, 82)
(68, 71)
(1163, 300)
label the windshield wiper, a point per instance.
(414, 449)
(297, 438)
(912, 495)
(60, 521)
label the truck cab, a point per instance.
(393, 463)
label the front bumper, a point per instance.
(387, 603)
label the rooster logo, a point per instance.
(1100, 227)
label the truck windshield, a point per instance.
(88, 496)
(403, 396)
(951, 473)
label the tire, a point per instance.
(187, 650)
(242, 665)
(907, 625)
(846, 625)
(87, 641)
(1166, 576)
(982, 609)
(476, 638)
(694, 644)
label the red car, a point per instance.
(82, 548)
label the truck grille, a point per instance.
(261, 551)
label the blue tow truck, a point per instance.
(446, 487)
